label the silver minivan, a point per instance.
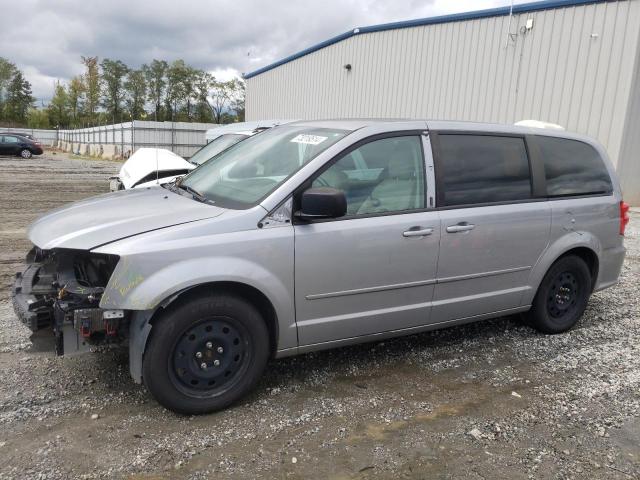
(319, 234)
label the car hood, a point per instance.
(106, 218)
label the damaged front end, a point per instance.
(58, 296)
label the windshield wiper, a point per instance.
(195, 193)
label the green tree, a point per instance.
(75, 98)
(7, 71)
(136, 90)
(58, 109)
(201, 86)
(37, 118)
(91, 86)
(113, 77)
(226, 118)
(221, 94)
(189, 78)
(19, 99)
(177, 93)
(238, 99)
(155, 74)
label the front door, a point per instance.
(374, 269)
(493, 229)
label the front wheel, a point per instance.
(206, 353)
(26, 153)
(562, 296)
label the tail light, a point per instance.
(624, 216)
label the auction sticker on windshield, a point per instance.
(308, 139)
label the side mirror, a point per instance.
(322, 202)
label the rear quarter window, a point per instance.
(572, 168)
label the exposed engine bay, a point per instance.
(58, 295)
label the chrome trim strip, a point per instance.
(370, 289)
(483, 274)
(419, 283)
(364, 314)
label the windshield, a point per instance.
(241, 176)
(216, 146)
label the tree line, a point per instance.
(109, 91)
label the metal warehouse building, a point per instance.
(571, 62)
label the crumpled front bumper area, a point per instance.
(36, 313)
(59, 292)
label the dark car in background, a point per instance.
(22, 134)
(15, 144)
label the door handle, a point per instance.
(417, 232)
(461, 227)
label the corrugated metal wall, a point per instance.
(629, 158)
(574, 68)
(183, 138)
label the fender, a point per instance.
(130, 288)
(569, 241)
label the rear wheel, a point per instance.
(26, 153)
(562, 296)
(206, 353)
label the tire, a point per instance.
(205, 353)
(26, 153)
(562, 296)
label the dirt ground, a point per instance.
(490, 400)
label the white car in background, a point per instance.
(157, 166)
(148, 167)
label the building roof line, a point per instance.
(455, 17)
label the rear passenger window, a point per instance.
(483, 169)
(572, 168)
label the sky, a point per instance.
(227, 38)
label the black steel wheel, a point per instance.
(562, 296)
(209, 356)
(205, 352)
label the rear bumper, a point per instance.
(610, 267)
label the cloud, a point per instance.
(48, 38)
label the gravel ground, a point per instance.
(489, 400)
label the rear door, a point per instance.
(493, 226)
(374, 269)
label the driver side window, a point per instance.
(382, 176)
